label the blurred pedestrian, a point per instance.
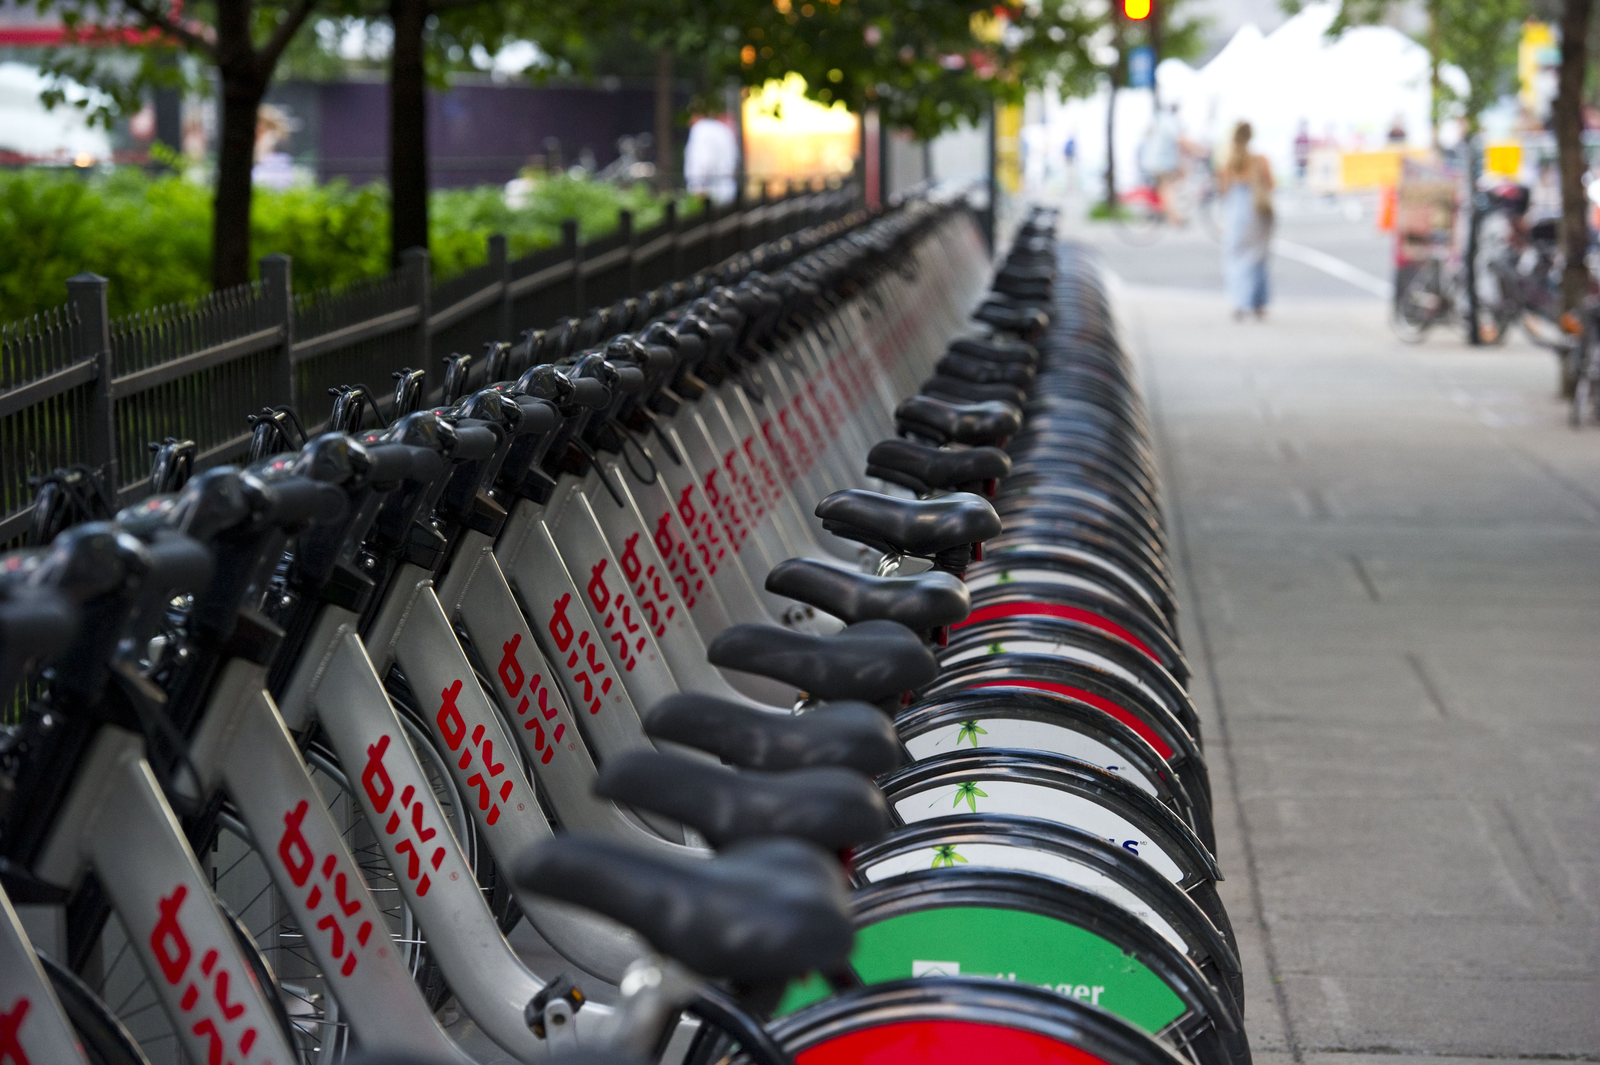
(1246, 188)
(1161, 158)
(711, 159)
(1302, 151)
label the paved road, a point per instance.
(1189, 258)
(1391, 568)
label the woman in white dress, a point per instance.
(1246, 187)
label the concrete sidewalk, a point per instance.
(1391, 564)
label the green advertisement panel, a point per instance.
(1008, 945)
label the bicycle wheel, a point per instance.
(113, 974)
(105, 1041)
(952, 1020)
(276, 944)
(1585, 394)
(1139, 221)
(1569, 362)
(1419, 302)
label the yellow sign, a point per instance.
(1008, 147)
(1535, 50)
(1372, 170)
(1503, 159)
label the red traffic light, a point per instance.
(1134, 10)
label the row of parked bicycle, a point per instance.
(800, 662)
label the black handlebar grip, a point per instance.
(691, 346)
(302, 501)
(425, 464)
(659, 359)
(474, 442)
(630, 380)
(33, 622)
(590, 392)
(87, 561)
(391, 463)
(538, 415)
(179, 563)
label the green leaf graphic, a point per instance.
(970, 731)
(945, 856)
(970, 792)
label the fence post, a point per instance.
(502, 272)
(574, 250)
(417, 266)
(87, 294)
(277, 308)
(625, 223)
(750, 235)
(674, 246)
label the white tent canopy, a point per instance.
(1348, 90)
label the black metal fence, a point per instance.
(79, 387)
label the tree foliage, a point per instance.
(241, 41)
(150, 234)
(926, 65)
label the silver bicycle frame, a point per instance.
(243, 747)
(530, 698)
(33, 1027)
(117, 823)
(335, 682)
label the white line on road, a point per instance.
(1332, 266)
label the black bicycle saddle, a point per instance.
(1018, 272)
(849, 734)
(997, 349)
(922, 528)
(1024, 289)
(984, 371)
(758, 912)
(956, 390)
(870, 660)
(831, 807)
(924, 468)
(958, 423)
(921, 602)
(1025, 321)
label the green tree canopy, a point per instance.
(138, 45)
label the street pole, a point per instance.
(1474, 334)
(1111, 112)
(1154, 22)
(990, 215)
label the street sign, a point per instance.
(1142, 67)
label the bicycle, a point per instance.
(1585, 401)
(562, 437)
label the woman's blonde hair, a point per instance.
(1238, 161)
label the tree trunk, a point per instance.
(408, 130)
(1112, 77)
(666, 167)
(1474, 220)
(1111, 151)
(230, 211)
(1567, 117)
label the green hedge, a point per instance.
(151, 235)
